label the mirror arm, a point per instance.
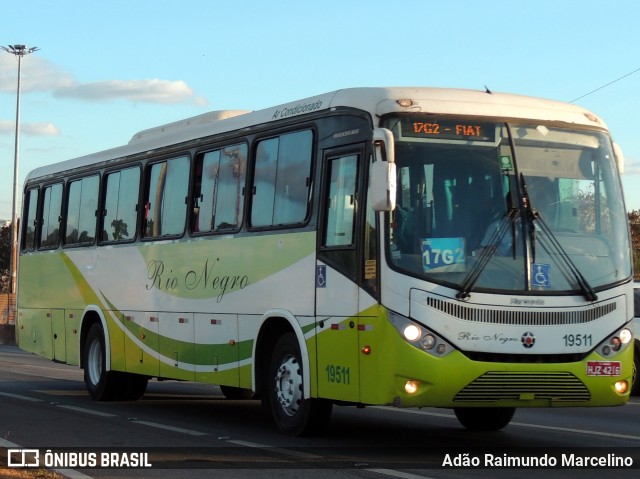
(383, 170)
(617, 151)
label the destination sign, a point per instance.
(448, 129)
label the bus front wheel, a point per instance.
(484, 419)
(293, 413)
(231, 392)
(635, 382)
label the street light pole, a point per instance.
(19, 51)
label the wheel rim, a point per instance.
(94, 360)
(289, 385)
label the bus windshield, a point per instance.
(507, 207)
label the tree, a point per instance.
(5, 258)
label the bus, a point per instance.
(408, 247)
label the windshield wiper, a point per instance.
(506, 223)
(554, 245)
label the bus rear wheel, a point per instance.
(100, 383)
(293, 413)
(104, 385)
(484, 419)
(133, 386)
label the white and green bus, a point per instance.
(371, 246)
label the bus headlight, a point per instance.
(412, 332)
(621, 387)
(626, 336)
(411, 387)
(428, 342)
(616, 342)
(419, 336)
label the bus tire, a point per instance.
(484, 419)
(635, 383)
(231, 392)
(101, 384)
(292, 412)
(133, 386)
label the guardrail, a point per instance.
(7, 318)
(7, 308)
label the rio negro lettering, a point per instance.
(496, 337)
(164, 279)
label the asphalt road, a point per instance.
(191, 430)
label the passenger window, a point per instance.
(166, 198)
(51, 209)
(218, 189)
(282, 180)
(82, 205)
(30, 220)
(120, 215)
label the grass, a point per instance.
(25, 473)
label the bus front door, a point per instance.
(336, 288)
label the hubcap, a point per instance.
(289, 385)
(94, 362)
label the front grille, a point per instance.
(525, 358)
(519, 316)
(504, 385)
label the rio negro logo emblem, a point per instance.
(528, 340)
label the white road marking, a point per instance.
(577, 431)
(519, 424)
(303, 455)
(68, 473)
(85, 410)
(169, 428)
(400, 474)
(18, 396)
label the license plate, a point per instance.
(603, 368)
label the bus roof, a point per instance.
(376, 101)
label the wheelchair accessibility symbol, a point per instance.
(321, 276)
(540, 275)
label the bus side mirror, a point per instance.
(617, 151)
(383, 171)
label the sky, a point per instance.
(107, 69)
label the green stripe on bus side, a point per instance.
(63, 284)
(198, 354)
(218, 267)
(309, 327)
(88, 295)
